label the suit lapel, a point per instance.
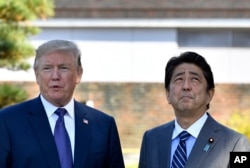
(164, 144)
(82, 135)
(203, 147)
(40, 124)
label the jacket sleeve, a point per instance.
(115, 155)
(4, 144)
(142, 160)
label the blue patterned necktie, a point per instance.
(62, 140)
(180, 155)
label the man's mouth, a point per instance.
(55, 87)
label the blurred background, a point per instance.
(125, 46)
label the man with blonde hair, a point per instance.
(54, 130)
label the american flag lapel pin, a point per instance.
(85, 121)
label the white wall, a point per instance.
(127, 53)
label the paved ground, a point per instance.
(131, 158)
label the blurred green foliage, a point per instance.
(240, 121)
(11, 94)
(16, 27)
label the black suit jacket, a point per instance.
(26, 140)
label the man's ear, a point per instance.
(210, 95)
(37, 78)
(168, 99)
(79, 75)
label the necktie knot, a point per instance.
(61, 112)
(184, 135)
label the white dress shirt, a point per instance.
(69, 118)
(193, 130)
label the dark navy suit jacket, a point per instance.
(26, 139)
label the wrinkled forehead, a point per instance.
(56, 56)
(187, 68)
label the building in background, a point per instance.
(138, 37)
(126, 44)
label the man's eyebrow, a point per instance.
(190, 72)
(46, 65)
(179, 74)
(195, 73)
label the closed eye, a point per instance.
(178, 79)
(195, 79)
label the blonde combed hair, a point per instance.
(61, 46)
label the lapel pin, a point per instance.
(206, 147)
(85, 121)
(210, 140)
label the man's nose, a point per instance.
(186, 85)
(55, 74)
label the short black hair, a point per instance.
(192, 58)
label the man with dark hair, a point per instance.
(194, 139)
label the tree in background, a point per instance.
(11, 94)
(15, 49)
(16, 27)
(239, 120)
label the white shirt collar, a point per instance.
(194, 129)
(50, 108)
